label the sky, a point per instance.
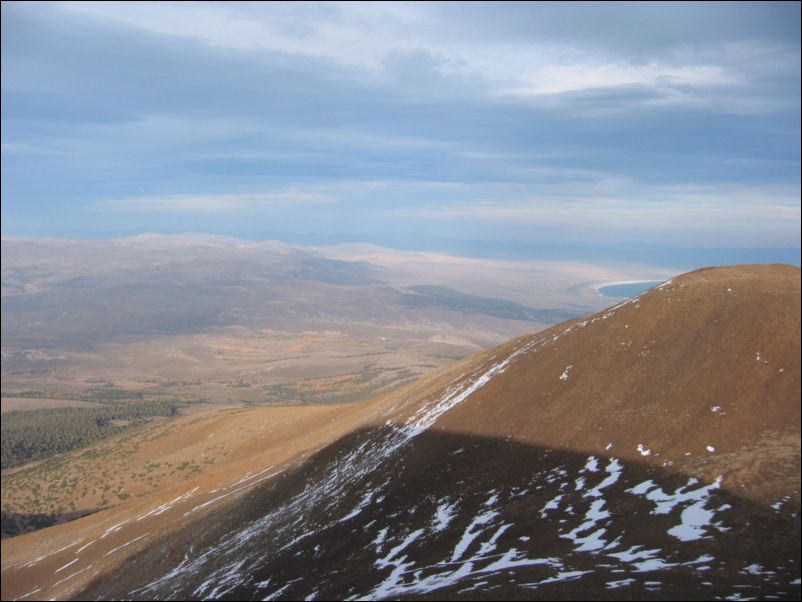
(481, 127)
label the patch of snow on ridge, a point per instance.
(166, 506)
(552, 504)
(114, 528)
(643, 451)
(621, 583)
(593, 527)
(472, 533)
(613, 470)
(595, 539)
(444, 515)
(695, 518)
(366, 499)
(592, 464)
(665, 502)
(566, 373)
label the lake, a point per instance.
(627, 290)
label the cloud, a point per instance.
(604, 209)
(519, 49)
(215, 203)
(378, 116)
(556, 79)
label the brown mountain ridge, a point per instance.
(650, 451)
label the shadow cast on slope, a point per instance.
(15, 523)
(380, 514)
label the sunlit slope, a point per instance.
(702, 372)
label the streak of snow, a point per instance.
(470, 534)
(83, 547)
(653, 564)
(635, 553)
(275, 595)
(665, 502)
(563, 576)
(444, 515)
(222, 586)
(366, 499)
(386, 588)
(70, 563)
(70, 576)
(552, 504)
(380, 537)
(512, 558)
(166, 506)
(225, 495)
(621, 583)
(40, 558)
(125, 545)
(114, 528)
(30, 593)
(594, 540)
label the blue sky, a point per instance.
(405, 123)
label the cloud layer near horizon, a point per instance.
(672, 123)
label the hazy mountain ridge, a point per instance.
(82, 292)
(214, 318)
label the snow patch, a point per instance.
(444, 515)
(621, 583)
(164, 507)
(58, 570)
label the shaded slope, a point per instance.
(472, 516)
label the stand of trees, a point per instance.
(38, 434)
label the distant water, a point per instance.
(627, 290)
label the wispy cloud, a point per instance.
(557, 79)
(215, 203)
